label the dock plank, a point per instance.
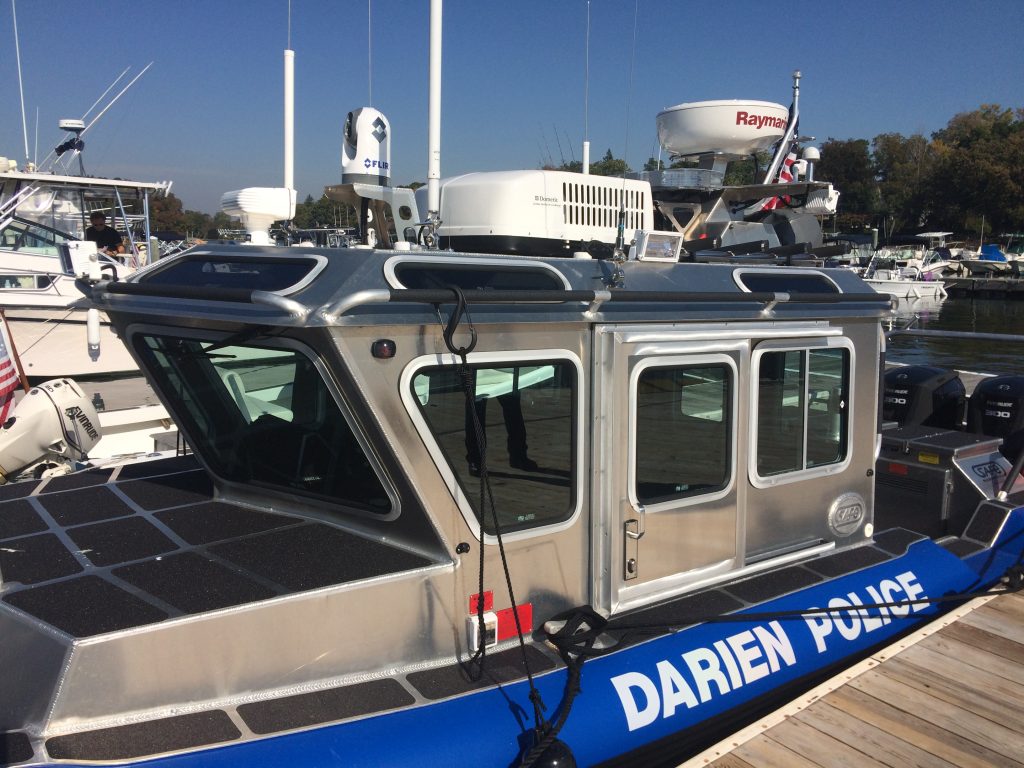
(768, 754)
(952, 697)
(818, 746)
(999, 738)
(984, 640)
(943, 743)
(886, 747)
(967, 692)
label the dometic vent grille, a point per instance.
(597, 205)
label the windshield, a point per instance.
(264, 415)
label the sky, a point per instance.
(208, 114)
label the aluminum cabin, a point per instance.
(669, 442)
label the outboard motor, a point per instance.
(53, 426)
(997, 409)
(921, 394)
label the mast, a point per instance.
(289, 108)
(434, 116)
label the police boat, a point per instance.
(545, 499)
(457, 508)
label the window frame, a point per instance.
(499, 359)
(681, 361)
(798, 345)
(138, 335)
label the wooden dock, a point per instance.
(949, 695)
(984, 287)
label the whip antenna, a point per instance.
(21, 90)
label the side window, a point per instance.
(683, 431)
(528, 437)
(802, 409)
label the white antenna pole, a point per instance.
(586, 100)
(119, 95)
(35, 150)
(289, 118)
(369, 53)
(21, 90)
(434, 115)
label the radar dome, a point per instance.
(728, 127)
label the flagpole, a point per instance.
(789, 136)
(9, 338)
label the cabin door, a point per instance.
(669, 422)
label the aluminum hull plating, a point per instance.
(484, 728)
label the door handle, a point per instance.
(637, 527)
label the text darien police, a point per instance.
(700, 674)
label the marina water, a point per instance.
(962, 314)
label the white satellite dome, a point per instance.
(258, 208)
(728, 127)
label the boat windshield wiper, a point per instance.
(259, 332)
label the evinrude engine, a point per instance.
(921, 394)
(53, 426)
(997, 409)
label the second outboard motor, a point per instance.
(997, 409)
(921, 394)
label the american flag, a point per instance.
(9, 379)
(785, 177)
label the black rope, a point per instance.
(486, 500)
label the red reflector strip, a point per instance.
(897, 469)
(488, 602)
(507, 621)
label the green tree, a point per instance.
(903, 167)
(979, 170)
(166, 213)
(847, 164)
(609, 165)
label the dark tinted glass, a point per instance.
(683, 432)
(470, 277)
(786, 282)
(264, 273)
(526, 418)
(265, 416)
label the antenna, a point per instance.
(619, 254)
(369, 53)
(434, 116)
(586, 98)
(558, 143)
(289, 108)
(21, 90)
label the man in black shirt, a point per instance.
(106, 238)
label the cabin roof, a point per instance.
(312, 286)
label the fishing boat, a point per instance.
(43, 217)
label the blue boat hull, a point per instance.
(658, 695)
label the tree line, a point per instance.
(970, 172)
